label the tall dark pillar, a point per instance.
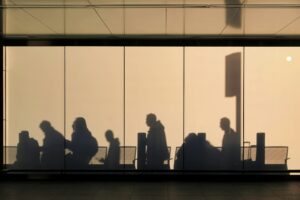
(141, 151)
(260, 150)
(233, 89)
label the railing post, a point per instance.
(260, 149)
(141, 151)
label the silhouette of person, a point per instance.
(83, 145)
(192, 152)
(230, 145)
(157, 150)
(28, 152)
(212, 157)
(112, 160)
(196, 154)
(187, 156)
(53, 147)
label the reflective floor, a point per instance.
(90, 190)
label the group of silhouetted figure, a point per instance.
(58, 152)
(196, 153)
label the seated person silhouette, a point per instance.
(230, 145)
(83, 145)
(112, 160)
(187, 156)
(157, 150)
(28, 152)
(53, 150)
(212, 157)
(196, 154)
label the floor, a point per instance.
(133, 190)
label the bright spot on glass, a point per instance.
(289, 59)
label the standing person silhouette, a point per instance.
(53, 150)
(230, 145)
(83, 145)
(113, 156)
(157, 150)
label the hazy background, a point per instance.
(35, 90)
(205, 101)
(94, 90)
(272, 97)
(43, 84)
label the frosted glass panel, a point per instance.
(155, 18)
(95, 21)
(152, 22)
(151, 108)
(285, 19)
(35, 91)
(154, 85)
(212, 92)
(272, 102)
(94, 85)
(34, 21)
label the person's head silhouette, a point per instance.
(225, 124)
(79, 125)
(23, 136)
(109, 135)
(151, 119)
(190, 138)
(45, 126)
